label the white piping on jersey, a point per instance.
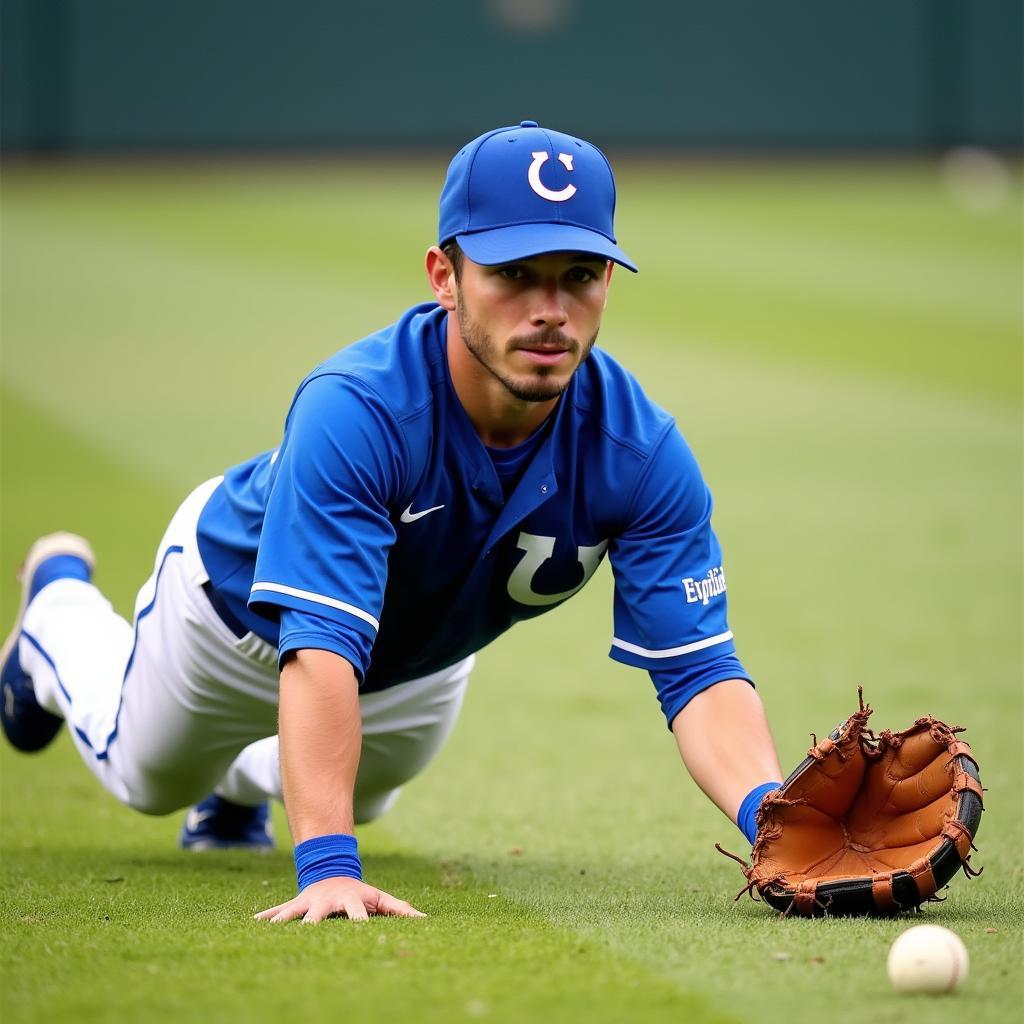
(330, 602)
(671, 652)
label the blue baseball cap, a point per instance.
(518, 192)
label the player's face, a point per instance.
(532, 323)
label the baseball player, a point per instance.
(313, 615)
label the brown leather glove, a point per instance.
(868, 824)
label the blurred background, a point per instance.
(202, 200)
(89, 75)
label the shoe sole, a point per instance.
(205, 845)
(46, 547)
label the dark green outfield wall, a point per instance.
(88, 74)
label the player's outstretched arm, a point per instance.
(320, 737)
(725, 743)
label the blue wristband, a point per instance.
(334, 856)
(746, 819)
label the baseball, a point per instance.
(928, 958)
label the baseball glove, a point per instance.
(868, 824)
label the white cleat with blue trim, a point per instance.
(57, 556)
(216, 824)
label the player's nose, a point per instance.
(549, 308)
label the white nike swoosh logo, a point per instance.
(195, 818)
(408, 516)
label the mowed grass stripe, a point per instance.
(186, 364)
(296, 219)
(803, 291)
(807, 256)
(792, 267)
(304, 219)
(53, 478)
(904, 207)
(900, 211)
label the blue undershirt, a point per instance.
(511, 463)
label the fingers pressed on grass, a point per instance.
(266, 915)
(282, 912)
(354, 909)
(316, 914)
(270, 913)
(396, 908)
(356, 905)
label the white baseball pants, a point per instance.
(178, 706)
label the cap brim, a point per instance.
(521, 241)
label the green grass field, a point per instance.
(842, 346)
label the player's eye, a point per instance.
(581, 275)
(512, 272)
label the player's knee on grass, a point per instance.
(370, 808)
(159, 794)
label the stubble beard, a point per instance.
(542, 385)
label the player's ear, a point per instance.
(441, 275)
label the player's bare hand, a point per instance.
(335, 897)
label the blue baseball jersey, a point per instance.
(384, 530)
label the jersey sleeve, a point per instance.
(676, 687)
(670, 596)
(302, 631)
(326, 534)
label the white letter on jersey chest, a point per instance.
(538, 551)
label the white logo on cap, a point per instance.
(537, 185)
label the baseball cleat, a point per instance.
(57, 556)
(219, 824)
